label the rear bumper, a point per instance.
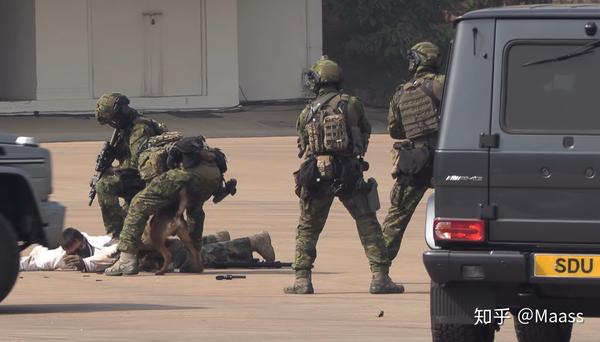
(514, 267)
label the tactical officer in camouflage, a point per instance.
(413, 119)
(134, 131)
(333, 137)
(193, 168)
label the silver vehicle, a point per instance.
(26, 215)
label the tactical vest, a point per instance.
(331, 128)
(419, 107)
(153, 158)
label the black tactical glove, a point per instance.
(74, 261)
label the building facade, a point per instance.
(60, 55)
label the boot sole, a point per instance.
(291, 291)
(386, 292)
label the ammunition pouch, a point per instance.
(335, 133)
(307, 178)
(314, 131)
(325, 165)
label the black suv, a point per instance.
(26, 214)
(515, 220)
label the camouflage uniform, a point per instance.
(200, 182)
(212, 251)
(406, 194)
(314, 208)
(333, 135)
(110, 187)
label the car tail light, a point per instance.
(459, 230)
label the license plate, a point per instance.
(567, 266)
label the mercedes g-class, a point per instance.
(514, 223)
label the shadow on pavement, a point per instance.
(85, 308)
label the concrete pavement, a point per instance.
(183, 307)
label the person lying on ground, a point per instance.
(87, 253)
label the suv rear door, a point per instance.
(545, 171)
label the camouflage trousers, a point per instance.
(313, 214)
(113, 214)
(162, 192)
(212, 251)
(405, 199)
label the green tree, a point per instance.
(370, 38)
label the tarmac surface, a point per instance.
(185, 307)
(248, 121)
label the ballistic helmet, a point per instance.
(324, 71)
(110, 107)
(423, 55)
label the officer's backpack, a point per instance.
(153, 159)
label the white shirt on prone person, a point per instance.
(44, 259)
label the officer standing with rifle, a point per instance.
(132, 132)
(413, 119)
(333, 137)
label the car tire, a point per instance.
(9, 257)
(462, 333)
(543, 332)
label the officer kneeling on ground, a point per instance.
(193, 167)
(333, 137)
(134, 131)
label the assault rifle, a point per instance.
(248, 264)
(104, 161)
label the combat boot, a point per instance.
(261, 244)
(382, 283)
(222, 236)
(126, 265)
(302, 285)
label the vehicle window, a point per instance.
(559, 97)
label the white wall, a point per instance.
(187, 60)
(62, 49)
(277, 40)
(17, 56)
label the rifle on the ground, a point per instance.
(248, 264)
(103, 162)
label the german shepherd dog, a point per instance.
(165, 223)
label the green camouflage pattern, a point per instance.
(327, 70)
(200, 182)
(395, 126)
(404, 201)
(104, 107)
(212, 251)
(108, 187)
(404, 198)
(313, 214)
(139, 135)
(356, 119)
(225, 251)
(430, 55)
(113, 214)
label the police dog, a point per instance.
(165, 223)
